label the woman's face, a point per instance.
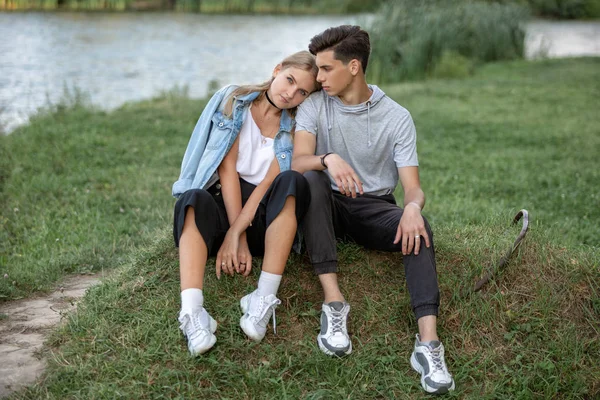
(290, 87)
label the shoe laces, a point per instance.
(437, 359)
(337, 321)
(265, 306)
(192, 323)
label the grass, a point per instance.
(515, 135)
(80, 188)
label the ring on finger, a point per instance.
(223, 264)
(417, 236)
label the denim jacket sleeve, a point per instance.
(197, 144)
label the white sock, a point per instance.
(192, 299)
(268, 283)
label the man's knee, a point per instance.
(315, 177)
(428, 227)
(318, 182)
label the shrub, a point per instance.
(452, 65)
(409, 37)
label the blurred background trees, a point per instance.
(568, 9)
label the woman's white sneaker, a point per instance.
(428, 360)
(257, 311)
(198, 327)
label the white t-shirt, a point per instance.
(255, 152)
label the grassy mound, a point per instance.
(516, 135)
(530, 334)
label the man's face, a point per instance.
(333, 74)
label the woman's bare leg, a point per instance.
(193, 254)
(279, 238)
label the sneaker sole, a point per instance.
(417, 367)
(338, 353)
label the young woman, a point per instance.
(237, 194)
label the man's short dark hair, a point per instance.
(348, 42)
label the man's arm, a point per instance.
(411, 184)
(304, 159)
(411, 229)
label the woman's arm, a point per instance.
(230, 183)
(232, 197)
(227, 257)
(245, 218)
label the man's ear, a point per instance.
(277, 70)
(354, 66)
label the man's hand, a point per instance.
(345, 178)
(411, 230)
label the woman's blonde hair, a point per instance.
(302, 60)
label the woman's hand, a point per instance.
(227, 257)
(244, 257)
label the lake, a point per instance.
(120, 57)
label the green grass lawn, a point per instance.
(83, 190)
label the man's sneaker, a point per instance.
(199, 328)
(428, 360)
(257, 311)
(333, 339)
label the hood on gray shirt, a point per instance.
(335, 101)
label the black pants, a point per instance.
(211, 215)
(372, 222)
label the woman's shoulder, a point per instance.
(226, 91)
(221, 96)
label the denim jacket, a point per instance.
(214, 135)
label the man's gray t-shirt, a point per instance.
(375, 137)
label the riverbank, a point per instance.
(84, 190)
(127, 57)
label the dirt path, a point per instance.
(23, 329)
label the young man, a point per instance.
(353, 144)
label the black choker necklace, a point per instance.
(270, 101)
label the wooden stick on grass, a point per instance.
(504, 260)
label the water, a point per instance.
(562, 39)
(116, 58)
